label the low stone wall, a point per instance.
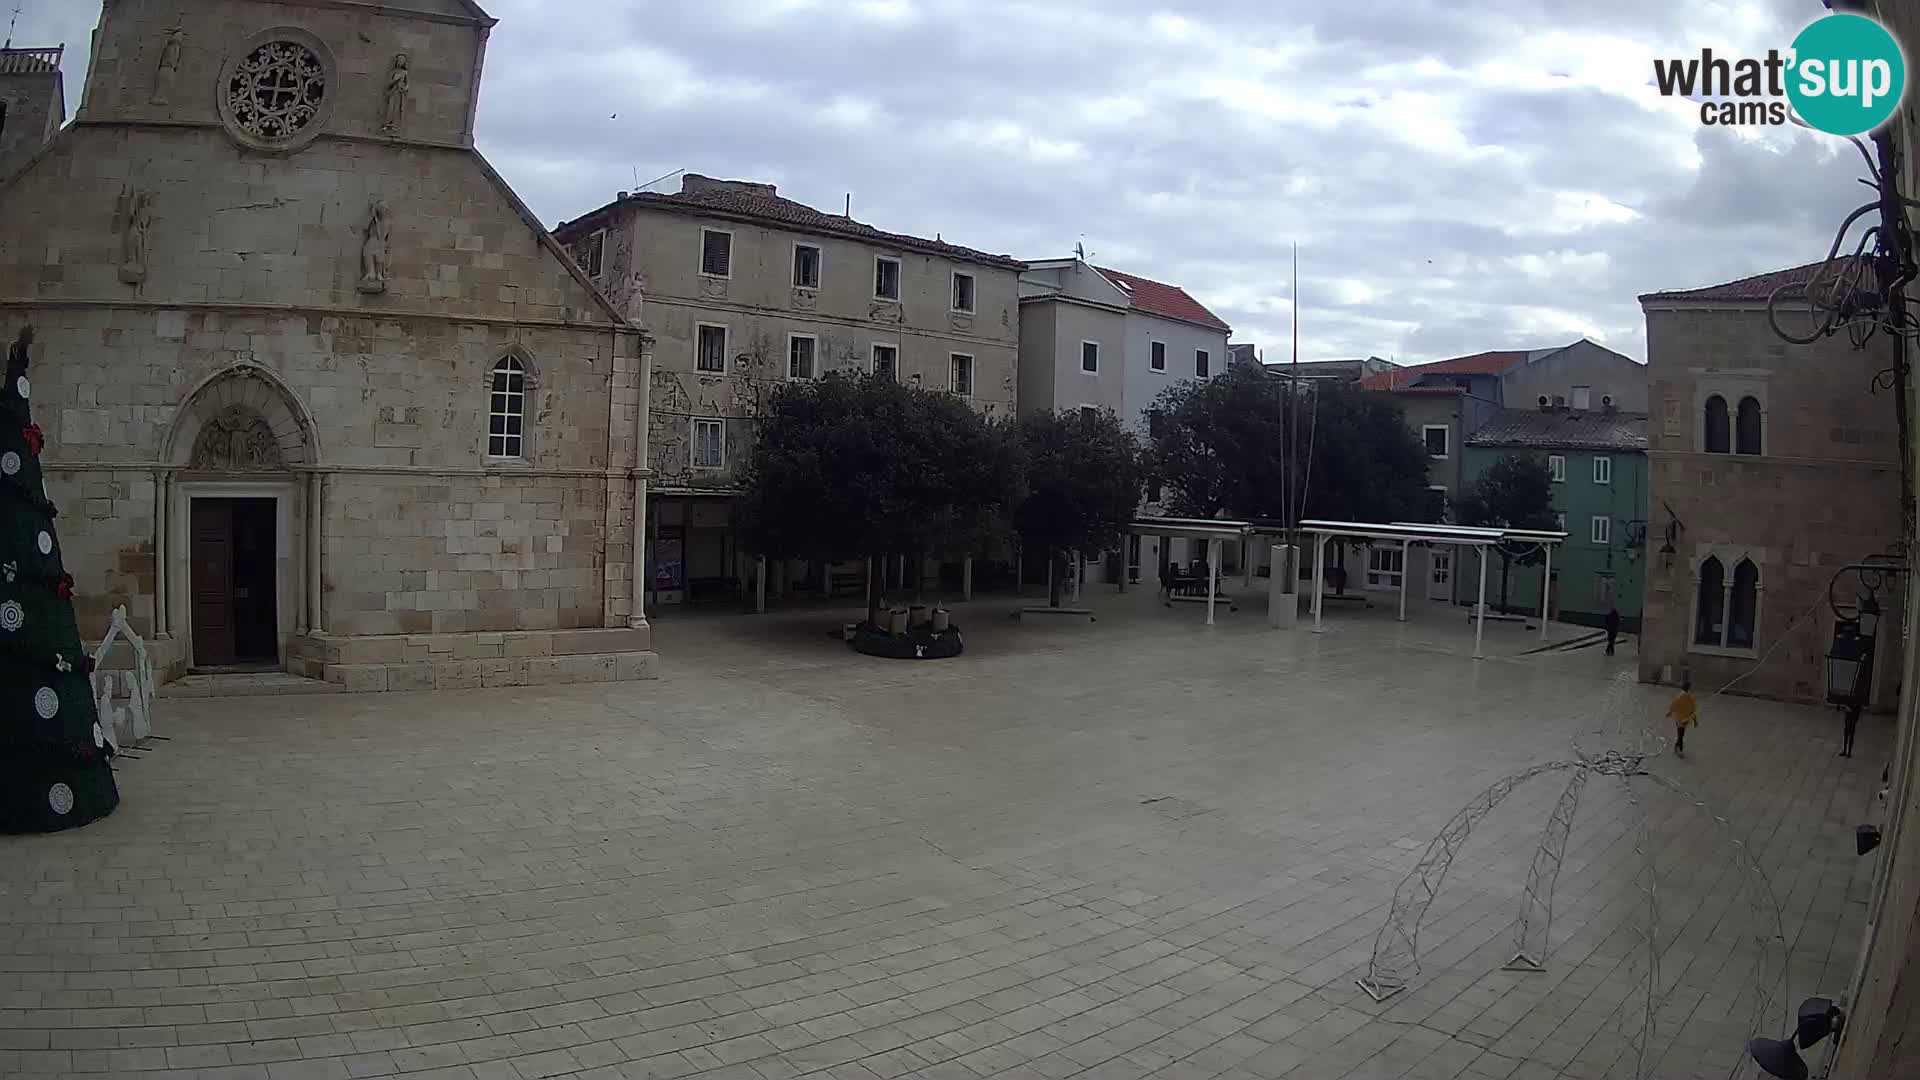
(455, 661)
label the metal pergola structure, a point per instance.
(1213, 531)
(1410, 533)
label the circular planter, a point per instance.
(918, 643)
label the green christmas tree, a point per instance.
(54, 759)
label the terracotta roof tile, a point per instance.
(1484, 363)
(1563, 430)
(1159, 298)
(775, 210)
(1757, 287)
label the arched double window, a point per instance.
(507, 409)
(1718, 429)
(1726, 610)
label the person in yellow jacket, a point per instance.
(1684, 712)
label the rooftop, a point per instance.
(1481, 363)
(31, 61)
(1564, 430)
(1164, 300)
(742, 200)
(1747, 289)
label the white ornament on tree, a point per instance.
(12, 616)
(9, 463)
(60, 798)
(60, 663)
(46, 702)
(23, 386)
(45, 542)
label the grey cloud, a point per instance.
(926, 120)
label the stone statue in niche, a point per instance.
(375, 249)
(394, 111)
(169, 69)
(236, 439)
(136, 222)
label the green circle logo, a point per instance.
(1847, 74)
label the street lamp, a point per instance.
(1846, 657)
(1818, 1018)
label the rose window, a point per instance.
(276, 90)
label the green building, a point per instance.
(1599, 466)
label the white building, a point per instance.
(1091, 337)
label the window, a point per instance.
(1603, 470)
(886, 362)
(709, 444)
(800, 349)
(710, 347)
(716, 253)
(1089, 414)
(961, 380)
(589, 251)
(886, 278)
(1602, 529)
(806, 266)
(1201, 363)
(1717, 437)
(1603, 594)
(1582, 398)
(1159, 360)
(1090, 356)
(1556, 468)
(1385, 565)
(508, 410)
(1726, 609)
(1710, 604)
(1437, 503)
(963, 292)
(1436, 439)
(1746, 427)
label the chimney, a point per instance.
(693, 183)
(620, 197)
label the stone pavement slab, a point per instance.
(1138, 847)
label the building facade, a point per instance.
(1093, 337)
(33, 104)
(319, 391)
(1772, 466)
(745, 290)
(1598, 462)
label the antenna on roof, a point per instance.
(10, 25)
(1080, 249)
(849, 213)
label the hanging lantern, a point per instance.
(1845, 659)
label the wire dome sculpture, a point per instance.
(1615, 748)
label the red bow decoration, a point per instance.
(35, 439)
(65, 587)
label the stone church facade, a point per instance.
(319, 391)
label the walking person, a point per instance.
(1684, 712)
(1850, 716)
(1613, 627)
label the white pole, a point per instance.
(1403, 581)
(966, 578)
(1546, 588)
(1480, 609)
(1319, 577)
(760, 590)
(1213, 576)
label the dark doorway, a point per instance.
(234, 615)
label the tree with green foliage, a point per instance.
(855, 466)
(1516, 492)
(55, 762)
(1083, 477)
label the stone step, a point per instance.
(503, 671)
(245, 684)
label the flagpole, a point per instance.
(1293, 407)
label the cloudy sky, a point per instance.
(1459, 176)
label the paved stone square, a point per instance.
(1137, 847)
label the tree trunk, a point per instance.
(1506, 565)
(873, 592)
(1053, 578)
(918, 561)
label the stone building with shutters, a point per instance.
(33, 103)
(319, 391)
(1771, 465)
(746, 289)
